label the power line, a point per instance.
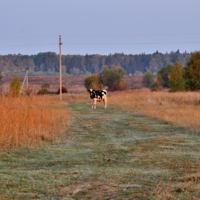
(102, 43)
(23, 45)
(133, 35)
(119, 43)
(104, 35)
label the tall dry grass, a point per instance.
(181, 109)
(28, 121)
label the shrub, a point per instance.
(15, 87)
(118, 86)
(93, 82)
(156, 87)
(43, 91)
(64, 90)
(148, 79)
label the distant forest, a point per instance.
(48, 63)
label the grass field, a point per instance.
(180, 109)
(107, 154)
(29, 121)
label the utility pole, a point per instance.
(60, 62)
(27, 79)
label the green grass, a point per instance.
(106, 154)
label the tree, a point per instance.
(108, 77)
(148, 79)
(88, 63)
(156, 62)
(47, 62)
(93, 82)
(15, 86)
(192, 72)
(176, 82)
(164, 74)
(112, 78)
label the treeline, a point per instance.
(47, 63)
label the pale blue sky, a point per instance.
(99, 26)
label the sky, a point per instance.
(102, 27)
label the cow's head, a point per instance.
(92, 93)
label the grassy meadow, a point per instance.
(29, 121)
(145, 145)
(181, 108)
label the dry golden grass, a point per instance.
(181, 109)
(28, 121)
(187, 186)
(108, 154)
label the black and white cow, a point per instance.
(98, 96)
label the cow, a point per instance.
(98, 96)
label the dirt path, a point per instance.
(105, 154)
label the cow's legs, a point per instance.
(94, 103)
(105, 103)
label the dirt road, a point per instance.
(105, 154)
